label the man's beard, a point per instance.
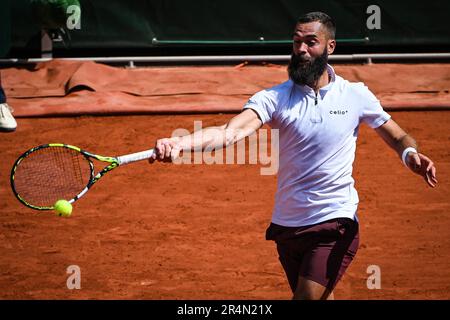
(304, 72)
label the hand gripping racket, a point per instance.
(55, 171)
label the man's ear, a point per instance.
(331, 45)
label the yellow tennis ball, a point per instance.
(63, 208)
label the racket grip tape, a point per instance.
(143, 155)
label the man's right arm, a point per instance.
(239, 127)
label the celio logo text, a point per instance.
(338, 112)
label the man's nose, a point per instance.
(301, 48)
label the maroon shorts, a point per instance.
(320, 252)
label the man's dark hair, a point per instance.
(321, 17)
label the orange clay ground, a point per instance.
(166, 231)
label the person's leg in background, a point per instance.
(7, 121)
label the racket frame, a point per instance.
(113, 163)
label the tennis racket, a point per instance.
(55, 171)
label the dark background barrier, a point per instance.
(5, 28)
(153, 27)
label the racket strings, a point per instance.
(49, 174)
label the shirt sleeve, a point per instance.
(372, 112)
(262, 104)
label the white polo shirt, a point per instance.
(317, 146)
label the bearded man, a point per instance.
(318, 114)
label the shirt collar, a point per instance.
(324, 89)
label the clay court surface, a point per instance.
(166, 231)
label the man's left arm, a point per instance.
(406, 148)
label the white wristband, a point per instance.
(405, 153)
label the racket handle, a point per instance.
(143, 155)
